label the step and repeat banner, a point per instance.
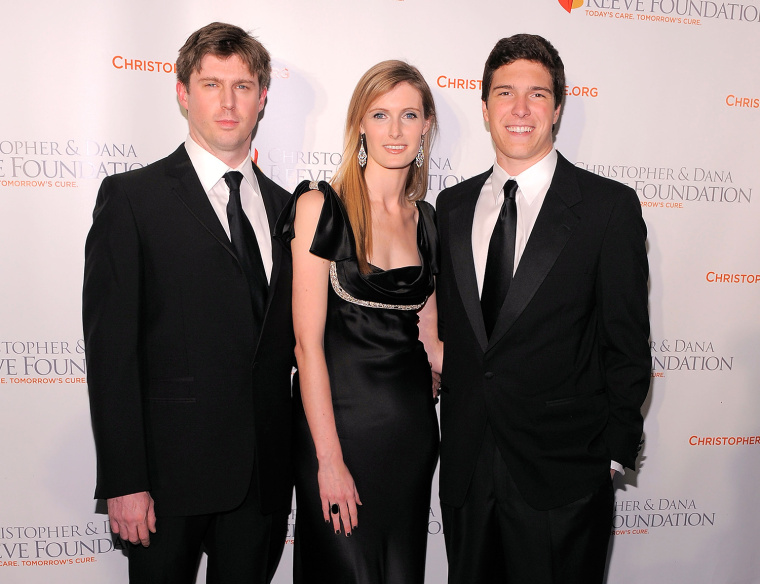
(663, 95)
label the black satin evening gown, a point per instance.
(384, 410)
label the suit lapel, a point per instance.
(273, 207)
(554, 225)
(188, 188)
(461, 217)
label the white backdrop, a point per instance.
(662, 94)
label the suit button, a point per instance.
(488, 375)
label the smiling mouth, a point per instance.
(394, 147)
(520, 129)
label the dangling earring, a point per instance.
(420, 158)
(362, 156)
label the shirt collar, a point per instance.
(531, 182)
(210, 169)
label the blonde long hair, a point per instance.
(349, 179)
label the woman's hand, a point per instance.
(336, 488)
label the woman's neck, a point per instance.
(386, 186)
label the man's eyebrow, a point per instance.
(218, 80)
(531, 88)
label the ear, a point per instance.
(556, 114)
(485, 110)
(182, 94)
(426, 127)
(262, 98)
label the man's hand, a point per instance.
(436, 384)
(132, 517)
(612, 473)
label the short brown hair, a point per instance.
(223, 40)
(528, 47)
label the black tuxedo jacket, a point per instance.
(562, 379)
(185, 402)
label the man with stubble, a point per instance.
(189, 342)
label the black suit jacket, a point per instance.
(562, 379)
(182, 395)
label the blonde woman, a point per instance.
(365, 319)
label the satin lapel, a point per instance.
(273, 208)
(460, 218)
(188, 188)
(554, 225)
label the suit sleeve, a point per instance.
(111, 314)
(622, 292)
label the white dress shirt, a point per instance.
(532, 186)
(211, 171)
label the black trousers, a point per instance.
(496, 537)
(243, 546)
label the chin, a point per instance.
(394, 164)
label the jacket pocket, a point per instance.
(568, 400)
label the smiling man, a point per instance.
(542, 299)
(189, 342)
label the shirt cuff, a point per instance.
(616, 466)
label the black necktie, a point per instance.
(501, 257)
(247, 248)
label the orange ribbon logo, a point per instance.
(570, 4)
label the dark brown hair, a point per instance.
(529, 47)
